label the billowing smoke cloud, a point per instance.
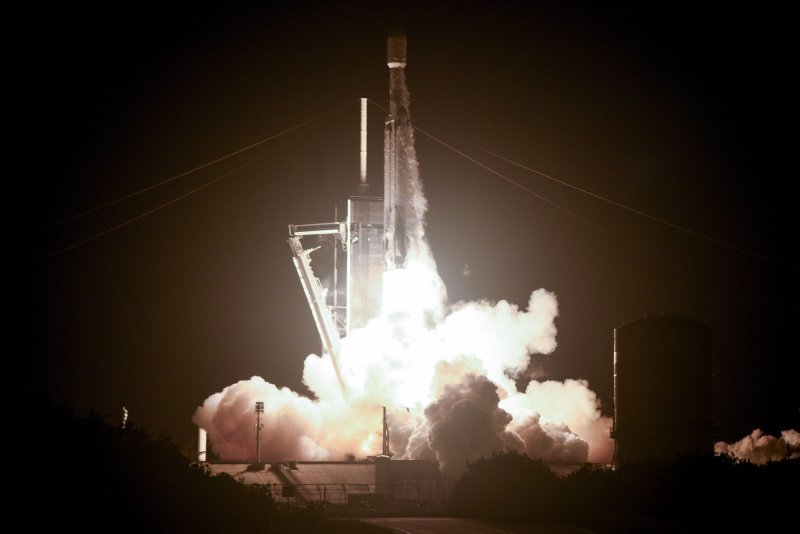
(290, 421)
(568, 405)
(449, 389)
(465, 424)
(760, 448)
(553, 443)
(447, 378)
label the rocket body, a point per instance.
(398, 192)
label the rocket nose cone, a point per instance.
(396, 50)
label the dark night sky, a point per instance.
(677, 112)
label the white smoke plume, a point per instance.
(569, 403)
(760, 448)
(438, 382)
(447, 378)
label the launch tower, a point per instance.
(373, 236)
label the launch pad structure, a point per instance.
(373, 235)
(371, 240)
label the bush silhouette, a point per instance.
(104, 478)
(509, 486)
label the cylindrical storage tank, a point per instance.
(202, 443)
(663, 389)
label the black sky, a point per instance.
(672, 110)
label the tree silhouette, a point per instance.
(687, 494)
(508, 486)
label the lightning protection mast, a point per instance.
(259, 426)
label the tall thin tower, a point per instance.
(364, 246)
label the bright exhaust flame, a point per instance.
(446, 376)
(411, 290)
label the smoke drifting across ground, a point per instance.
(446, 377)
(760, 448)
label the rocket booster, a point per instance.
(397, 198)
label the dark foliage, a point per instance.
(88, 475)
(507, 486)
(695, 493)
(94, 476)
